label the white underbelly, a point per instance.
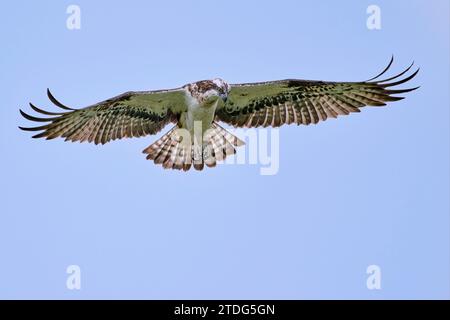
(199, 116)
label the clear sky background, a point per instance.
(367, 189)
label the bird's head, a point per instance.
(223, 88)
(207, 90)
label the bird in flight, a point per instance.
(196, 109)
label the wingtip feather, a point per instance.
(56, 102)
(384, 71)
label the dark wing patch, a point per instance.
(304, 102)
(132, 114)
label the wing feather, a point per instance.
(306, 101)
(132, 114)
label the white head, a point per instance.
(205, 89)
(222, 86)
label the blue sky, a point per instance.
(367, 189)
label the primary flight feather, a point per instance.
(196, 108)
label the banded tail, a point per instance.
(177, 150)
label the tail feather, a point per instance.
(217, 143)
(186, 159)
(173, 153)
(155, 148)
(164, 152)
(179, 160)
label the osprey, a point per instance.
(197, 139)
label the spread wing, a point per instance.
(304, 102)
(132, 114)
